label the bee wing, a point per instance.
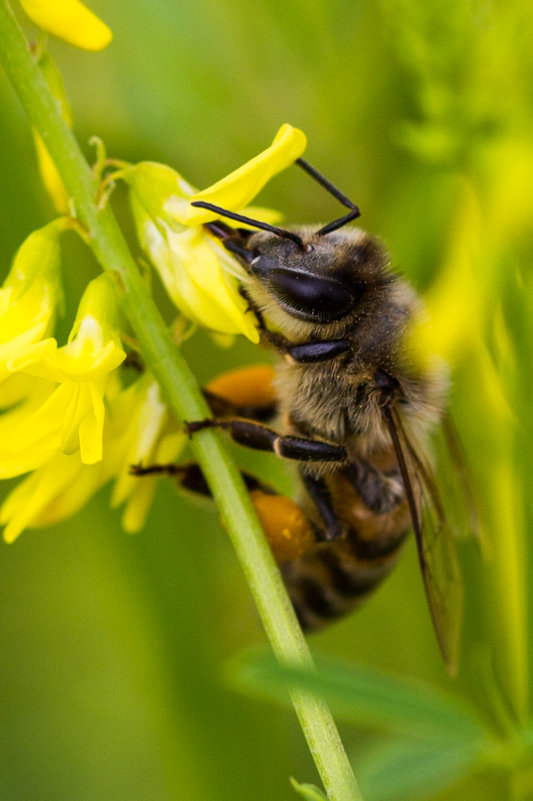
(459, 484)
(435, 541)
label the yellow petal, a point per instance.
(16, 456)
(50, 494)
(92, 427)
(55, 417)
(16, 463)
(196, 282)
(70, 20)
(152, 184)
(30, 293)
(21, 505)
(146, 416)
(50, 177)
(24, 322)
(140, 496)
(138, 417)
(15, 391)
(237, 189)
(138, 504)
(83, 359)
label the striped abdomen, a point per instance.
(334, 577)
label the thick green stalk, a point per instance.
(185, 400)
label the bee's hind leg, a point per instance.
(288, 529)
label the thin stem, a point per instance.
(185, 400)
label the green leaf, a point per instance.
(401, 770)
(366, 697)
(308, 791)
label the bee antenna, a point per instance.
(231, 215)
(332, 189)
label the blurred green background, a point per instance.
(114, 647)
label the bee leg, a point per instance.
(263, 438)
(309, 352)
(190, 477)
(288, 529)
(319, 494)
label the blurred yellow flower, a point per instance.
(65, 410)
(30, 294)
(53, 492)
(69, 20)
(455, 307)
(199, 274)
(140, 430)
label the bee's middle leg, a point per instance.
(264, 438)
(243, 401)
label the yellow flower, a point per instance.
(70, 20)
(141, 430)
(192, 266)
(199, 274)
(138, 429)
(65, 410)
(30, 294)
(53, 492)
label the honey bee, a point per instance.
(345, 402)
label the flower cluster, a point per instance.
(69, 422)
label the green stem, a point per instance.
(185, 400)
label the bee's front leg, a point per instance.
(309, 352)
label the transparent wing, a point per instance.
(435, 541)
(458, 484)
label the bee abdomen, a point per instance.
(336, 577)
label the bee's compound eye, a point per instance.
(310, 297)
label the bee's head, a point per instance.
(320, 279)
(304, 280)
